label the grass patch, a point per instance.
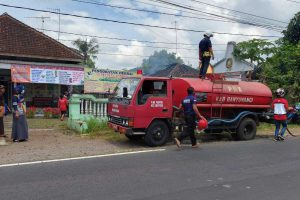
(41, 123)
(271, 127)
(100, 129)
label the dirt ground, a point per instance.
(51, 142)
(49, 139)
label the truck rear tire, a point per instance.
(157, 134)
(246, 129)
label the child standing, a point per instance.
(62, 105)
(280, 107)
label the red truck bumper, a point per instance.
(120, 129)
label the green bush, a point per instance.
(94, 125)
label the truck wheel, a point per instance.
(157, 134)
(246, 129)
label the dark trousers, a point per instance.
(204, 66)
(1, 126)
(189, 130)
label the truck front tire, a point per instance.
(246, 129)
(157, 134)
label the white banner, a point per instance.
(47, 74)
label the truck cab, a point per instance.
(142, 107)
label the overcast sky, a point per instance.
(130, 54)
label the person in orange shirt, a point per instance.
(280, 106)
(62, 105)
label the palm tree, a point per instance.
(89, 49)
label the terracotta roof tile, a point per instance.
(19, 39)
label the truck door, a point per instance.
(154, 100)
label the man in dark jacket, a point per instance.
(205, 53)
(190, 113)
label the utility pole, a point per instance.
(57, 11)
(43, 20)
(176, 35)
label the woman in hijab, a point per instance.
(20, 127)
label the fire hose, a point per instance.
(290, 115)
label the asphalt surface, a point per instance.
(257, 169)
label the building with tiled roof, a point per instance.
(51, 65)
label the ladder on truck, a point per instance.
(216, 107)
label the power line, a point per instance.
(243, 21)
(170, 14)
(121, 39)
(169, 8)
(237, 11)
(155, 47)
(132, 23)
(215, 15)
(144, 10)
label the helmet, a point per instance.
(202, 124)
(208, 33)
(280, 92)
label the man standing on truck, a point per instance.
(205, 53)
(190, 111)
(280, 107)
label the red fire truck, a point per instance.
(145, 107)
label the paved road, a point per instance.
(258, 169)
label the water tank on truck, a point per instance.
(234, 106)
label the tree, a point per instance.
(292, 34)
(255, 50)
(158, 61)
(283, 70)
(89, 50)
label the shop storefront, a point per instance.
(43, 83)
(46, 67)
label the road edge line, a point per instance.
(80, 158)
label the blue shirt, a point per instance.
(187, 104)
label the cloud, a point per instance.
(274, 9)
(123, 57)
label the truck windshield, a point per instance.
(126, 87)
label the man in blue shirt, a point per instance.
(190, 111)
(205, 53)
